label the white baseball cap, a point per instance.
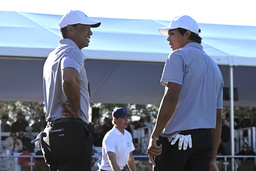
(77, 17)
(184, 21)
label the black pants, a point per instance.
(67, 145)
(196, 158)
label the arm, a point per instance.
(131, 162)
(20, 145)
(112, 161)
(216, 140)
(71, 88)
(167, 108)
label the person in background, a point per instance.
(227, 120)
(29, 133)
(42, 122)
(225, 139)
(140, 123)
(107, 125)
(20, 124)
(246, 164)
(67, 143)
(138, 152)
(117, 145)
(5, 127)
(25, 162)
(12, 143)
(188, 126)
(253, 117)
(97, 134)
(148, 122)
(26, 142)
(36, 125)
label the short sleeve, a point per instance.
(220, 97)
(173, 70)
(109, 145)
(73, 60)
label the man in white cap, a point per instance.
(188, 128)
(117, 145)
(67, 143)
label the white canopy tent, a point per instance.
(124, 60)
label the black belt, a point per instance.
(62, 120)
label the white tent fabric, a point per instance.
(124, 60)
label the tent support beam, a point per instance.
(232, 114)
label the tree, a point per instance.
(28, 109)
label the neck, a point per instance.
(120, 129)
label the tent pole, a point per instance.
(232, 115)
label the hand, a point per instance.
(154, 150)
(184, 140)
(67, 111)
(214, 166)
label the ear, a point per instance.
(70, 29)
(187, 34)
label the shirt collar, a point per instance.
(117, 132)
(194, 44)
(68, 42)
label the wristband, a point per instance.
(214, 161)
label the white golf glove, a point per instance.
(38, 140)
(184, 140)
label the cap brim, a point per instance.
(165, 30)
(96, 25)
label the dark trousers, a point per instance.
(67, 145)
(196, 158)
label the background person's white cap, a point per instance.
(184, 21)
(77, 17)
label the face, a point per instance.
(13, 135)
(176, 40)
(245, 147)
(121, 123)
(137, 147)
(80, 34)
(21, 133)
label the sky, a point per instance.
(231, 12)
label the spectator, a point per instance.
(148, 121)
(253, 117)
(12, 143)
(26, 141)
(29, 133)
(130, 128)
(242, 122)
(225, 139)
(25, 162)
(246, 163)
(97, 134)
(20, 124)
(140, 124)
(107, 125)
(43, 121)
(138, 152)
(227, 121)
(36, 125)
(5, 127)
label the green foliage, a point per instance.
(28, 109)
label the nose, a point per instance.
(168, 38)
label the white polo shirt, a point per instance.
(118, 143)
